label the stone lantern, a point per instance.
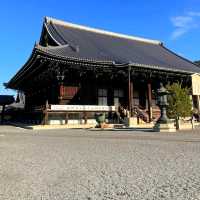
(163, 124)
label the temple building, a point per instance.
(75, 71)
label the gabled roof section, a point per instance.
(52, 24)
(82, 42)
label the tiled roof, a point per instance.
(88, 43)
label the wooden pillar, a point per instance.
(198, 104)
(131, 99)
(46, 117)
(129, 88)
(46, 114)
(130, 92)
(149, 94)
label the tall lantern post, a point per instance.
(164, 124)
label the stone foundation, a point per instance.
(169, 127)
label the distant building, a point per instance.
(5, 100)
(77, 65)
(197, 63)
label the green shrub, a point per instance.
(180, 104)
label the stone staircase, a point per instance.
(143, 114)
(156, 113)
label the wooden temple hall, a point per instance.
(76, 71)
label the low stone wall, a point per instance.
(186, 126)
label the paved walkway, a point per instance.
(83, 164)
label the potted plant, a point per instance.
(100, 119)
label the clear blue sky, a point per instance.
(174, 22)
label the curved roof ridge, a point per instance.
(100, 31)
(58, 43)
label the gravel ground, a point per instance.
(91, 165)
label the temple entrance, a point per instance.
(118, 97)
(142, 98)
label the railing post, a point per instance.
(45, 113)
(66, 118)
(85, 117)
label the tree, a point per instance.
(180, 104)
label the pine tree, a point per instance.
(180, 104)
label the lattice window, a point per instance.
(118, 93)
(102, 97)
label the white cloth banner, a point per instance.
(82, 108)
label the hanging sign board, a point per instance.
(196, 84)
(82, 108)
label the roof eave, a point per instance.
(26, 66)
(110, 62)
